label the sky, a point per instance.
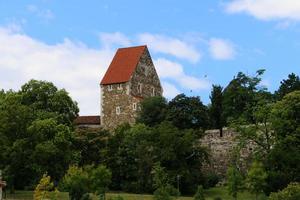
(193, 43)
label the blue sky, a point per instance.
(194, 44)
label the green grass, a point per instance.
(210, 194)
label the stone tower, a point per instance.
(130, 78)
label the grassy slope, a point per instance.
(210, 194)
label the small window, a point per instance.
(119, 86)
(140, 87)
(118, 110)
(153, 92)
(134, 106)
(109, 87)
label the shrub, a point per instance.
(42, 190)
(116, 198)
(291, 192)
(76, 181)
(217, 198)
(211, 180)
(199, 194)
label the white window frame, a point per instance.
(134, 106)
(152, 91)
(120, 86)
(109, 87)
(140, 88)
(118, 110)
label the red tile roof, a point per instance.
(80, 120)
(123, 65)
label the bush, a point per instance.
(211, 180)
(199, 194)
(86, 196)
(76, 181)
(162, 194)
(291, 192)
(217, 198)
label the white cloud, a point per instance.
(110, 39)
(170, 90)
(172, 46)
(221, 49)
(174, 71)
(267, 9)
(46, 14)
(76, 67)
(70, 65)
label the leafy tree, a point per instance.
(42, 95)
(240, 96)
(234, 181)
(292, 83)
(256, 178)
(91, 144)
(187, 112)
(283, 161)
(153, 111)
(35, 133)
(291, 192)
(199, 194)
(76, 182)
(216, 108)
(100, 178)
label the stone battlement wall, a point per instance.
(220, 151)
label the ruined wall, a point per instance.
(220, 151)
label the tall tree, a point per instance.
(284, 161)
(216, 108)
(187, 112)
(292, 83)
(239, 96)
(153, 111)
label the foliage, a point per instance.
(283, 161)
(116, 198)
(35, 133)
(199, 194)
(133, 151)
(91, 145)
(256, 178)
(153, 111)
(292, 83)
(291, 192)
(100, 178)
(240, 96)
(216, 108)
(234, 181)
(42, 190)
(187, 112)
(76, 182)
(161, 184)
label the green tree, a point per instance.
(292, 83)
(291, 192)
(187, 112)
(76, 182)
(216, 108)
(234, 181)
(199, 194)
(239, 97)
(35, 133)
(283, 161)
(100, 178)
(256, 178)
(153, 111)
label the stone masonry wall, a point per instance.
(125, 95)
(220, 151)
(145, 75)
